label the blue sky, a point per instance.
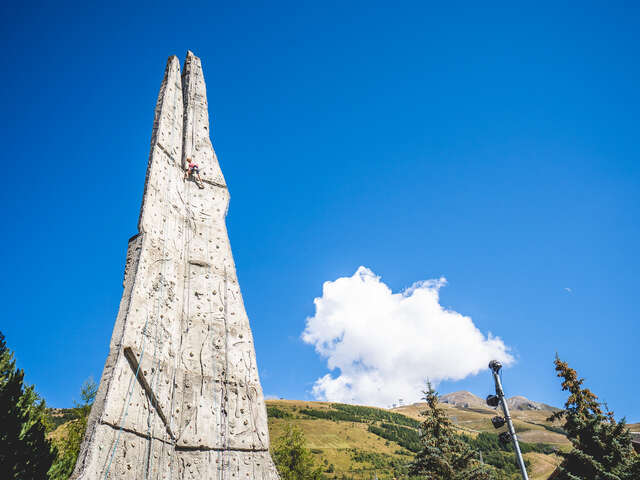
(494, 145)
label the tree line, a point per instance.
(26, 451)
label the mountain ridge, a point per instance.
(466, 399)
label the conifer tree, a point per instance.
(293, 459)
(445, 455)
(69, 444)
(601, 446)
(633, 472)
(25, 453)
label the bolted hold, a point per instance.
(498, 421)
(504, 438)
(493, 400)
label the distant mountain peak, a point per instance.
(464, 399)
(519, 402)
(522, 403)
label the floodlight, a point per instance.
(495, 365)
(504, 438)
(493, 401)
(498, 422)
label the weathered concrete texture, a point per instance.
(180, 395)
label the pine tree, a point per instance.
(25, 453)
(633, 472)
(445, 455)
(69, 444)
(601, 446)
(293, 459)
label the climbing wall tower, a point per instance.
(180, 396)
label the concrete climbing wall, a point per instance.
(180, 396)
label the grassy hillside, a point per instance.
(360, 442)
(531, 425)
(58, 416)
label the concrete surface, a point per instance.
(180, 396)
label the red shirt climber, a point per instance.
(193, 169)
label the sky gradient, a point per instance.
(496, 146)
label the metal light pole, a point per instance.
(498, 399)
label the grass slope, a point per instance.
(531, 425)
(342, 447)
(342, 440)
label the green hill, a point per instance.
(531, 425)
(353, 442)
(359, 443)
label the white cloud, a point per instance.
(384, 344)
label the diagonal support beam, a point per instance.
(135, 366)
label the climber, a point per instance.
(193, 169)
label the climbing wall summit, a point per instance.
(180, 396)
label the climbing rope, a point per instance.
(156, 366)
(170, 426)
(126, 408)
(225, 435)
(187, 286)
(177, 356)
(212, 317)
(134, 377)
(213, 340)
